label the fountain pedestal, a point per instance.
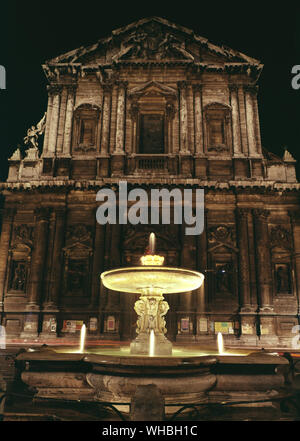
(151, 309)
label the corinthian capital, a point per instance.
(54, 89)
(243, 212)
(42, 213)
(197, 87)
(261, 214)
(233, 87)
(71, 88)
(122, 84)
(251, 88)
(182, 85)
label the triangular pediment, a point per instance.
(153, 88)
(152, 39)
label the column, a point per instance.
(243, 245)
(48, 120)
(30, 329)
(263, 259)
(243, 122)
(186, 309)
(190, 118)
(235, 120)
(182, 85)
(267, 336)
(38, 259)
(134, 112)
(119, 145)
(202, 318)
(295, 221)
(256, 118)
(202, 265)
(55, 90)
(50, 307)
(247, 311)
(69, 120)
(61, 120)
(199, 150)
(7, 224)
(170, 113)
(98, 263)
(112, 259)
(56, 266)
(48, 263)
(105, 119)
(250, 121)
(118, 159)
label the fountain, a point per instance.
(220, 343)
(151, 281)
(152, 344)
(82, 338)
(181, 375)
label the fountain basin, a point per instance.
(159, 279)
(182, 379)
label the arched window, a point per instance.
(217, 126)
(86, 126)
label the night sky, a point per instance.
(32, 32)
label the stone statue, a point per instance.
(34, 132)
(151, 312)
(163, 309)
(140, 309)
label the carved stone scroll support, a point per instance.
(151, 310)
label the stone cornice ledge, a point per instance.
(94, 183)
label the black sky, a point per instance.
(32, 32)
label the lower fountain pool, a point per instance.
(182, 375)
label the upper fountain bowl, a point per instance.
(152, 279)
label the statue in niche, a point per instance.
(283, 278)
(19, 276)
(223, 277)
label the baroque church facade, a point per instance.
(158, 106)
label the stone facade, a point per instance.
(158, 106)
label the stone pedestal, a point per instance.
(30, 329)
(248, 335)
(117, 164)
(103, 166)
(268, 336)
(151, 310)
(49, 329)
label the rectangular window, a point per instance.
(151, 134)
